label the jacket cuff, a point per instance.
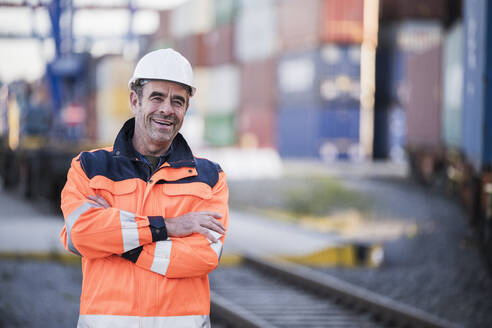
(158, 228)
(133, 254)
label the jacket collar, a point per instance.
(181, 156)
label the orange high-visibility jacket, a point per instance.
(134, 275)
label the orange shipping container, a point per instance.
(342, 21)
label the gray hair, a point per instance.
(138, 85)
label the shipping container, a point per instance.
(390, 130)
(397, 42)
(220, 129)
(404, 9)
(326, 76)
(224, 90)
(477, 105)
(219, 44)
(225, 11)
(164, 29)
(424, 102)
(192, 17)
(256, 32)
(297, 135)
(339, 134)
(203, 82)
(112, 97)
(192, 46)
(298, 24)
(332, 134)
(342, 21)
(257, 126)
(452, 87)
(258, 82)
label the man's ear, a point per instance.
(133, 101)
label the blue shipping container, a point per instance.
(318, 132)
(320, 77)
(477, 105)
(390, 130)
(297, 132)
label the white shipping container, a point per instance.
(256, 32)
(113, 72)
(202, 79)
(192, 17)
(224, 92)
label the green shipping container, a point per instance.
(220, 129)
(452, 88)
(225, 11)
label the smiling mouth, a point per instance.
(163, 122)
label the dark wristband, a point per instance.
(133, 254)
(158, 228)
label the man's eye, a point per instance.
(156, 99)
(178, 103)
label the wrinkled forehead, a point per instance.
(166, 87)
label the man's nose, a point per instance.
(166, 107)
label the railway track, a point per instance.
(268, 294)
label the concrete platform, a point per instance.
(25, 231)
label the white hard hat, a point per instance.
(164, 64)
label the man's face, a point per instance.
(159, 116)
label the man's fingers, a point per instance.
(210, 225)
(207, 233)
(212, 214)
(214, 225)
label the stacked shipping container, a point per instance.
(264, 66)
(318, 77)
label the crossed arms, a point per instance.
(184, 246)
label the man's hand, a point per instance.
(204, 223)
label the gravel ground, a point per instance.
(39, 294)
(439, 270)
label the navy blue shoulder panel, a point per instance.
(208, 172)
(116, 168)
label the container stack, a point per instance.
(282, 74)
(318, 76)
(256, 49)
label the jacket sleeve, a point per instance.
(95, 232)
(189, 256)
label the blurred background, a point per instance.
(363, 122)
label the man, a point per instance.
(146, 216)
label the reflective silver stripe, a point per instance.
(162, 256)
(120, 321)
(129, 231)
(217, 247)
(70, 221)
